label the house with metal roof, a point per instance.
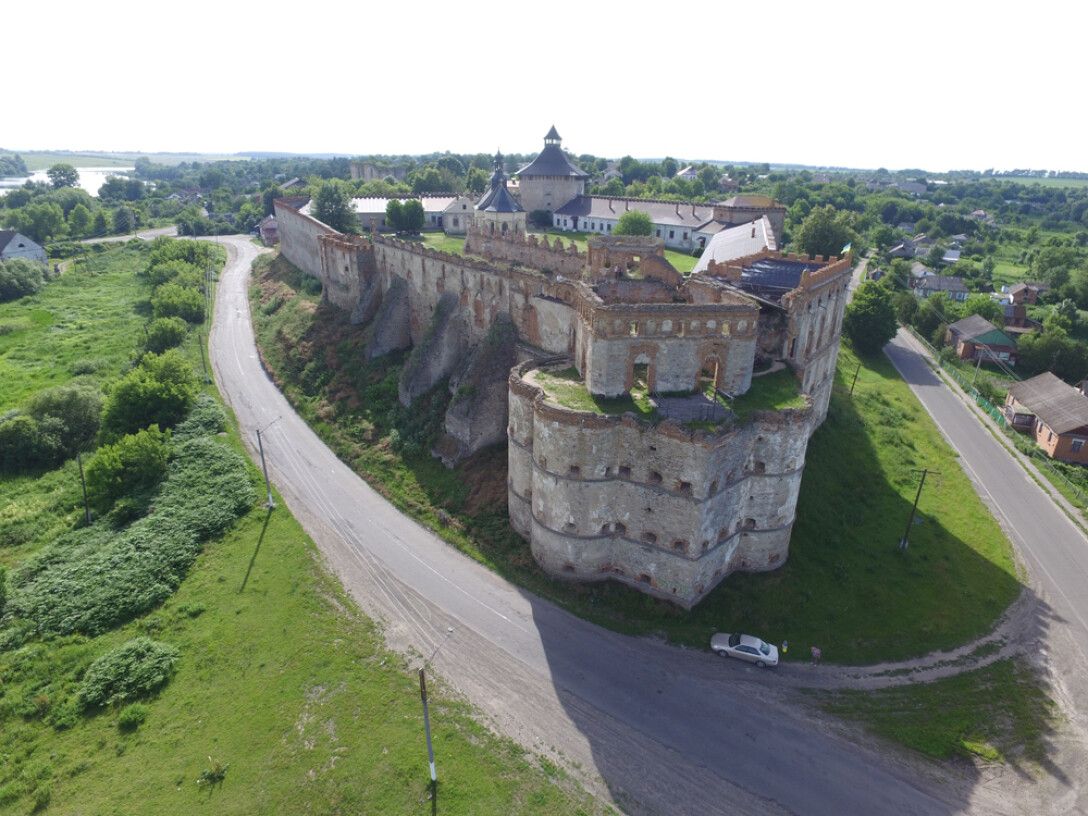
(976, 338)
(738, 242)
(954, 287)
(1055, 413)
(16, 245)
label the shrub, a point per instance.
(172, 300)
(165, 333)
(87, 366)
(205, 419)
(27, 444)
(634, 222)
(132, 717)
(162, 272)
(200, 255)
(134, 464)
(77, 408)
(159, 392)
(94, 578)
(132, 670)
(3, 589)
(19, 278)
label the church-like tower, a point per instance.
(550, 180)
(497, 210)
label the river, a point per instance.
(90, 178)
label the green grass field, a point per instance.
(683, 262)
(999, 713)
(280, 679)
(846, 587)
(88, 320)
(1045, 182)
(44, 159)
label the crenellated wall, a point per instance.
(667, 510)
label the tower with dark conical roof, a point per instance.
(551, 179)
(497, 210)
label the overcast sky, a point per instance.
(936, 85)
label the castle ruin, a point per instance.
(669, 501)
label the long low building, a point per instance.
(682, 225)
(371, 210)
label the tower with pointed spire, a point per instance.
(551, 179)
(497, 210)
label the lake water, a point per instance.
(90, 178)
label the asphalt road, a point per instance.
(657, 729)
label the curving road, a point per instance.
(652, 728)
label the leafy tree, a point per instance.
(935, 257)
(39, 220)
(1053, 350)
(984, 306)
(26, 444)
(613, 187)
(936, 309)
(173, 300)
(160, 391)
(79, 221)
(63, 175)
(124, 220)
(634, 222)
(870, 320)
(413, 215)
(18, 278)
(825, 231)
(332, 206)
(906, 307)
(165, 333)
(100, 226)
(134, 464)
(669, 167)
(476, 181)
(77, 410)
(394, 214)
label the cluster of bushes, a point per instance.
(159, 391)
(178, 272)
(20, 277)
(57, 424)
(97, 577)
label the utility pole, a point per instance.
(83, 481)
(977, 366)
(427, 725)
(855, 380)
(904, 542)
(264, 466)
(203, 362)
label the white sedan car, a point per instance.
(745, 647)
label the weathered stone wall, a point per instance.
(548, 192)
(299, 238)
(552, 257)
(437, 353)
(669, 511)
(476, 417)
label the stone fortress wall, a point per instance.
(667, 510)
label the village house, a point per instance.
(1055, 413)
(16, 245)
(1023, 294)
(269, 233)
(976, 338)
(955, 288)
